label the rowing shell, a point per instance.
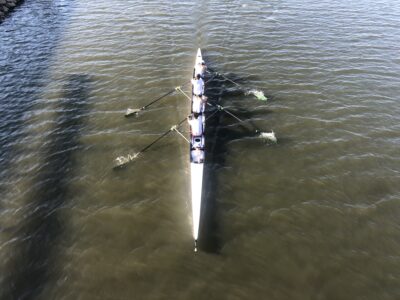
(196, 173)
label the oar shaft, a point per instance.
(155, 141)
(183, 93)
(157, 99)
(232, 115)
(123, 160)
(161, 136)
(257, 93)
(163, 96)
(226, 78)
(180, 133)
(220, 107)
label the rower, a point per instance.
(200, 68)
(198, 86)
(197, 155)
(196, 124)
(199, 103)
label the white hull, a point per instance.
(196, 174)
(196, 171)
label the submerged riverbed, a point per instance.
(315, 216)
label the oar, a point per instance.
(267, 135)
(123, 160)
(259, 94)
(135, 111)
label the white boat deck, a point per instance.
(196, 174)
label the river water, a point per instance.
(315, 216)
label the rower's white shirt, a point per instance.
(199, 69)
(197, 155)
(198, 86)
(198, 105)
(196, 125)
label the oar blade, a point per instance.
(132, 112)
(269, 136)
(261, 96)
(122, 161)
(258, 94)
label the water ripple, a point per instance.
(68, 72)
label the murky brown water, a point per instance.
(314, 217)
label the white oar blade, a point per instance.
(269, 136)
(259, 94)
(131, 111)
(121, 161)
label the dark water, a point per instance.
(315, 216)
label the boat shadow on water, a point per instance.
(219, 134)
(41, 230)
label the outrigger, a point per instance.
(196, 141)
